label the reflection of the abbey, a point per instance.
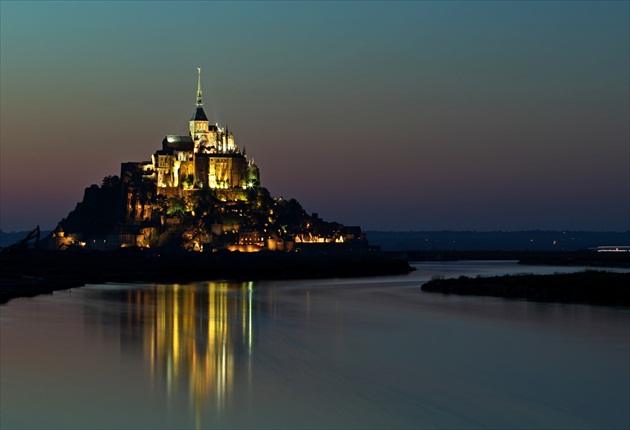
(192, 336)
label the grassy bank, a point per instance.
(589, 287)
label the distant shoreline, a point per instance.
(543, 258)
(40, 272)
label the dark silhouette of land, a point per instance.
(590, 287)
(36, 272)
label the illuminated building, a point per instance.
(206, 158)
(199, 192)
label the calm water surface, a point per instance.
(341, 353)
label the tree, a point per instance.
(110, 182)
(176, 206)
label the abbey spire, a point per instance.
(199, 121)
(199, 114)
(199, 93)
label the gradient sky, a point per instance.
(391, 116)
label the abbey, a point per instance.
(206, 158)
(198, 192)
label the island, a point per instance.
(196, 210)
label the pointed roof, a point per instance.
(199, 115)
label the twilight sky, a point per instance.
(391, 116)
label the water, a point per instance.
(348, 353)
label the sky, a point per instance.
(388, 115)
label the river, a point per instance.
(333, 353)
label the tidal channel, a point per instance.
(333, 353)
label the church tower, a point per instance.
(199, 122)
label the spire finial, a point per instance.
(199, 102)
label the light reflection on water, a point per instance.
(192, 335)
(355, 353)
